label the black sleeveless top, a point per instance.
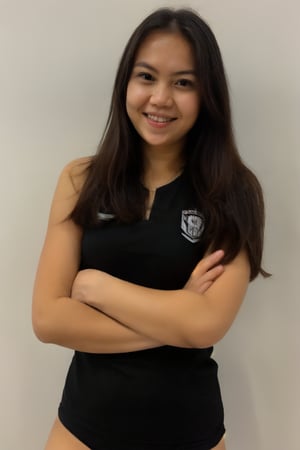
(158, 399)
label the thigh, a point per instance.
(221, 445)
(61, 438)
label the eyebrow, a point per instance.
(179, 72)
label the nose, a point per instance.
(161, 96)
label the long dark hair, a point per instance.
(228, 192)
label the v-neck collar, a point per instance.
(163, 194)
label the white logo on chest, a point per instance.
(192, 224)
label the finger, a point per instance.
(209, 274)
(203, 288)
(209, 277)
(212, 274)
(212, 259)
(208, 262)
(196, 282)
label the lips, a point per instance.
(159, 118)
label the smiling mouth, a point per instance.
(159, 119)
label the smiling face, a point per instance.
(163, 98)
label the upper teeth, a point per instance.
(158, 119)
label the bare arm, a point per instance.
(61, 320)
(56, 317)
(185, 317)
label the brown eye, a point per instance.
(145, 76)
(184, 82)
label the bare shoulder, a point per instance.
(76, 171)
(68, 188)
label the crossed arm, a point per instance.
(195, 316)
(94, 312)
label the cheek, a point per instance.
(192, 107)
(135, 97)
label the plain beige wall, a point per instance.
(58, 59)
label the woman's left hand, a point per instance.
(87, 287)
(205, 273)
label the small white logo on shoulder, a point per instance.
(105, 216)
(192, 224)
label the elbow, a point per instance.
(41, 327)
(206, 337)
(201, 342)
(207, 342)
(41, 335)
(204, 342)
(193, 334)
(45, 319)
(40, 331)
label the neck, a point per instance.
(161, 167)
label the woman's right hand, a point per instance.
(205, 273)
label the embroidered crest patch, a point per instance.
(192, 224)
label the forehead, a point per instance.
(168, 49)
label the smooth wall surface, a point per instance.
(58, 60)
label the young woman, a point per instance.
(150, 247)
